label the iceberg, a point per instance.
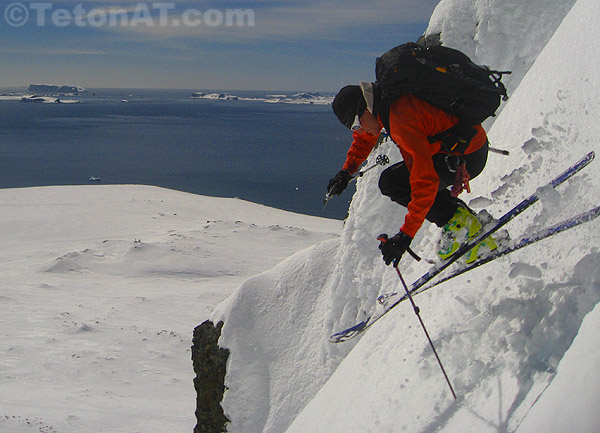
(50, 89)
(296, 98)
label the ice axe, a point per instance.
(380, 160)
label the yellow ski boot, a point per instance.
(462, 227)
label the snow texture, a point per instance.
(506, 35)
(101, 288)
(570, 404)
(502, 329)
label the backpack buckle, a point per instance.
(452, 162)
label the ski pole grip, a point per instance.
(383, 238)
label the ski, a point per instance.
(464, 249)
(507, 217)
(521, 243)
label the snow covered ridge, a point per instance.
(37, 99)
(504, 331)
(297, 98)
(47, 94)
(101, 287)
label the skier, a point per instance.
(421, 182)
(390, 300)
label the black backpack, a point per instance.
(447, 79)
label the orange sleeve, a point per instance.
(359, 151)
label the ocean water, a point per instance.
(280, 155)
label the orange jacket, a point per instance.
(412, 121)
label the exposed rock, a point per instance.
(210, 362)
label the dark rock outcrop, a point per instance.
(210, 363)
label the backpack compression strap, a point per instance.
(455, 139)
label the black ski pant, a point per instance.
(395, 182)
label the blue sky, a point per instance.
(254, 45)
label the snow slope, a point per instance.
(501, 330)
(503, 34)
(101, 288)
(570, 404)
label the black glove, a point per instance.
(393, 248)
(339, 182)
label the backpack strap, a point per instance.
(455, 139)
(381, 106)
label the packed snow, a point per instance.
(101, 288)
(501, 330)
(570, 404)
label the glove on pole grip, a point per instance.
(383, 238)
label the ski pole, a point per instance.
(418, 313)
(380, 160)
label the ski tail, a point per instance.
(349, 333)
